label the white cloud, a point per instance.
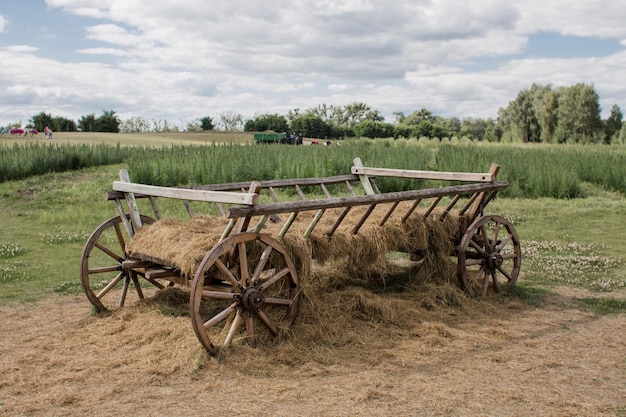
(104, 51)
(182, 59)
(3, 23)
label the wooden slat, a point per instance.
(135, 217)
(340, 219)
(432, 207)
(225, 197)
(389, 213)
(326, 203)
(449, 207)
(155, 207)
(426, 175)
(365, 181)
(188, 207)
(356, 228)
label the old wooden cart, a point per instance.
(245, 285)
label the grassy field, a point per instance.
(136, 139)
(553, 345)
(47, 219)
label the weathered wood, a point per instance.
(425, 175)
(225, 197)
(365, 181)
(326, 203)
(478, 205)
(135, 217)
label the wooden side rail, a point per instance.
(351, 201)
(237, 186)
(225, 197)
(428, 175)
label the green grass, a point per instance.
(603, 306)
(46, 220)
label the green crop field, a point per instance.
(567, 203)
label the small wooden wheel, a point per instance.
(101, 271)
(246, 281)
(489, 255)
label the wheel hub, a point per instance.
(252, 299)
(494, 260)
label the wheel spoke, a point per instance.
(229, 275)
(250, 328)
(124, 291)
(483, 234)
(220, 316)
(261, 265)
(109, 252)
(485, 281)
(234, 327)
(494, 277)
(476, 246)
(267, 322)
(278, 301)
(218, 295)
(504, 242)
(273, 279)
(505, 273)
(110, 285)
(243, 264)
(120, 237)
(496, 229)
(472, 262)
(137, 286)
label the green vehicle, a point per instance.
(270, 138)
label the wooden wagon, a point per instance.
(244, 276)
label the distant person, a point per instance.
(47, 133)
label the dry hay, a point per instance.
(343, 260)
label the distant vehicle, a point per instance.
(271, 137)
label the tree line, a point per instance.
(539, 114)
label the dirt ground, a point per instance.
(496, 357)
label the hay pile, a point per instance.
(343, 260)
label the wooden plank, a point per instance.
(135, 217)
(225, 197)
(112, 195)
(326, 203)
(426, 175)
(365, 181)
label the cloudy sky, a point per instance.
(184, 59)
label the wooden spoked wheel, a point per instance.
(246, 288)
(489, 255)
(103, 278)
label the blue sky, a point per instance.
(182, 60)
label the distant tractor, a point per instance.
(271, 137)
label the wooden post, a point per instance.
(135, 218)
(365, 181)
(477, 207)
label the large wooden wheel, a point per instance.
(102, 275)
(489, 255)
(246, 288)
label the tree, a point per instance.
(613, 125)
(546, 104)
(578, 115)
(372, 129)
(419, 116)
(311, 126)
(87, 123)
(206, 123)
(108, 122)
(41, 120)
(231, 121)
(62, 124)
(265, 122)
